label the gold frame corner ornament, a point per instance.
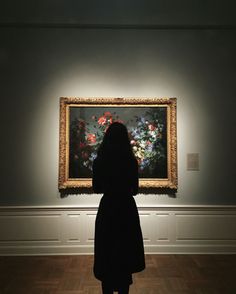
(64, 182)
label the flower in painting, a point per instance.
(108, 116)
(151, 127)
(102, 120)
(145, 135)
(149, 147)
(145, 141)
(142, 144)
(82, 145)
(135, 148)
(92, 156)
(86, 163)
(140, 153)
(107, 113)
(84, 154)
(144, 163)
(91, 138)
(81, 124)
(153, 134)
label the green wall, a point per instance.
(39, 65)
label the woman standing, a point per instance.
(119, 248)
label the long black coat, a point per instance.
(118, 238)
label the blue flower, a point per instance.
(93, 155)
(144, 163)
(149, 147)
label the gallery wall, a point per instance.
(39, 64)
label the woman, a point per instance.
(119, 248)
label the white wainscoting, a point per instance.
(70, 230)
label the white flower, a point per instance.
(153, 134)
(138, 154)
(142, 144)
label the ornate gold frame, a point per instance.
(169, 183)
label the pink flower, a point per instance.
(91, 138)
(102, 120)
(151, 127)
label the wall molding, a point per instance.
(94, 207)
(55, 230)
(112, 26)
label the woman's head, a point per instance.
(116, 138)
(117, 133)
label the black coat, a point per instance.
(118, 237)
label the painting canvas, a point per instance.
(151, 125)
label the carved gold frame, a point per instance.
(171, 182)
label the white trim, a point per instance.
(53, 230)
(89, 207)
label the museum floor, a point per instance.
(164, 274)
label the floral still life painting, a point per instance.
(151, 129)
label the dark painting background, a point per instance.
(147, 127)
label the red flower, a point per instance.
(139, 161)
(84, 154)
(91, 138)
(107, 113)
(82, 145)
(102, 120)
(81, 124)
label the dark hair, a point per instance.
(116, 142)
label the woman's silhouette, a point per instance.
(119, 248)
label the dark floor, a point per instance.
(201, 274)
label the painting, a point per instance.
(151, 124)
